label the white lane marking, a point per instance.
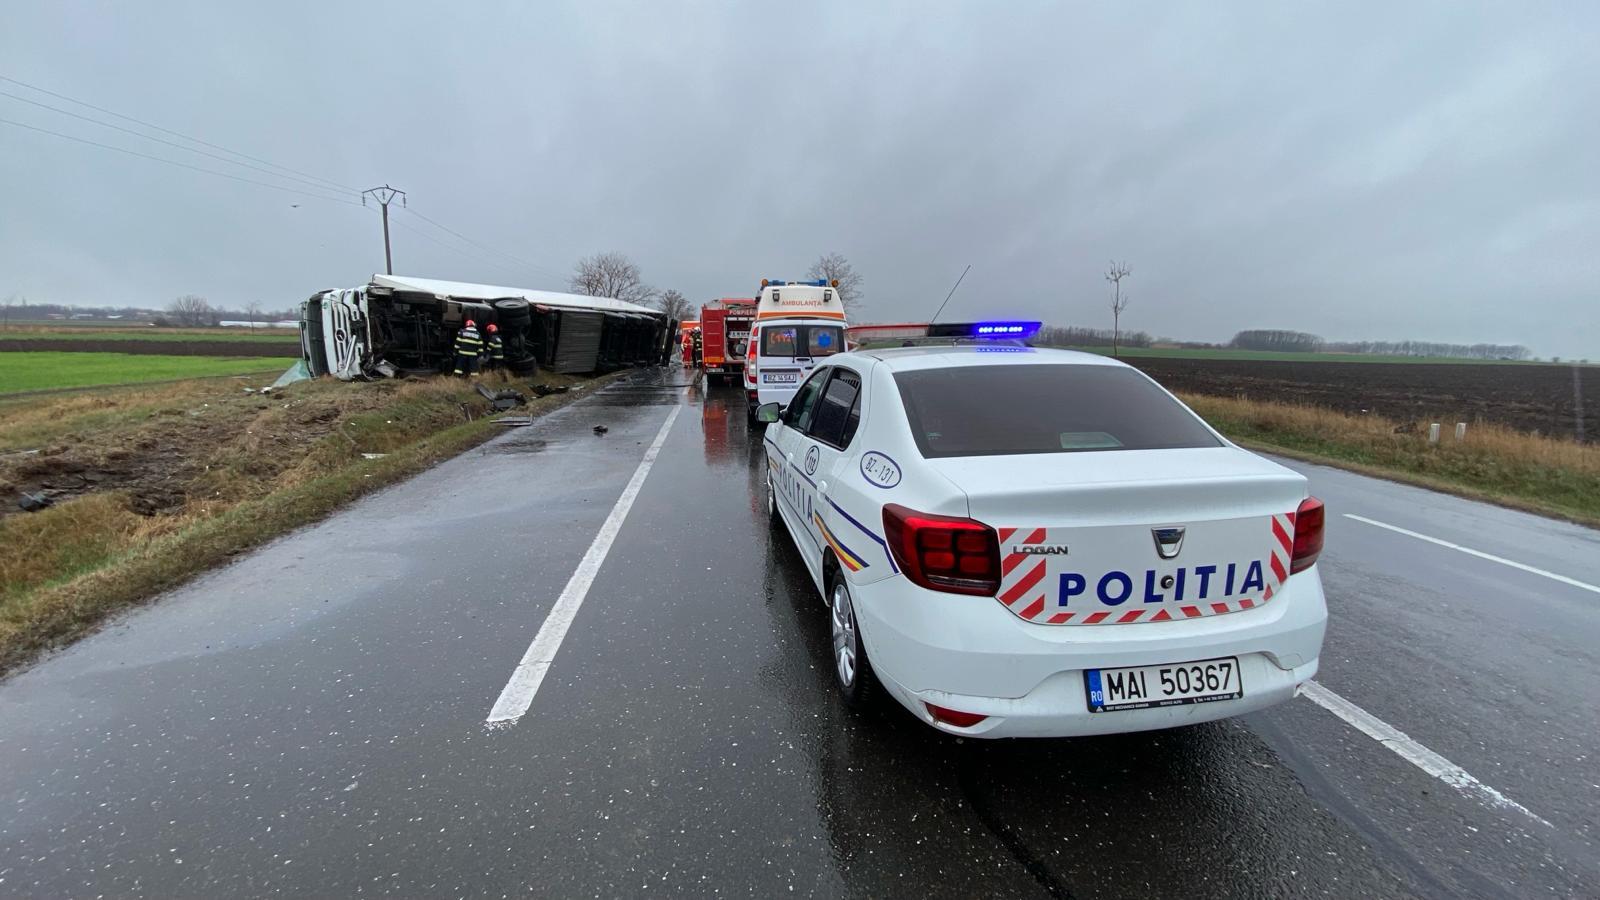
(1581, 585)
(518, 693)
(1413, 752)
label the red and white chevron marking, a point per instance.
(1024, 588)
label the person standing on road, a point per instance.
(496, 350)
(469, 347)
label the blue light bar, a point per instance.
(1008, 330)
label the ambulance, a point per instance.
(798, 324)
(1022, 542)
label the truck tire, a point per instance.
(513, 310)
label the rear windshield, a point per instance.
(1005, 410)
(801, 340)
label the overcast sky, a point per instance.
(1376, 171)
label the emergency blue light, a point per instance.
(1006, 329)
(1013, 330)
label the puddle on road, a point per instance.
(638, 395)
(536, 445)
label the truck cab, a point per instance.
(798, 324)
(724, 333)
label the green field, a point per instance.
(1176, 353)
(28, 371)
(59, 331)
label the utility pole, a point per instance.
(385, 195)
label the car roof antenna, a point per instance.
(952, 293)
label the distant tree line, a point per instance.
(1301, 342)
(1431, 348)
(1276, 339)
(1074, 336)
(193, 309)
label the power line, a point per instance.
(231, 162)
(33, 87)
(464, 254)
(516, 259)
(181, 165)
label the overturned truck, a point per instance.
(397, 325)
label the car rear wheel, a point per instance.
(851, 669)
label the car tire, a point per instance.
(773, 514)
(852, 671)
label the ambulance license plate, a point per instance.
(780, 377)
(1141, 687)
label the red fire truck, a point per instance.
(724, 332)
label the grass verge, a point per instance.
(65, 569)
(33, 371)
(1552, 477)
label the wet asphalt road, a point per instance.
(310, 721)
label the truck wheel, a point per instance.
(852, 671)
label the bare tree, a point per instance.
(16, 299)
(834, 267)
(610, 275)
(675, 305)
(253, 310)
(1115, 274)
(191, 310)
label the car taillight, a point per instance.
(954, 716)
(944, 553)
(1308, 521)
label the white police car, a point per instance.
(1026, 542)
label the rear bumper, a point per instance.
(778, 395)
(971, 654)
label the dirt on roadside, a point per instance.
(178, 449)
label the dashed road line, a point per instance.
(1413, 752)
(1581, 585)
(518, 694)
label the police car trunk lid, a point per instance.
(1123, 537)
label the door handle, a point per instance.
(822, 487)
(791, 456)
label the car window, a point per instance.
(802, 340)
(852, 421)
(779, 341)
(824, 340)
(798, 413)
(833, 410)
(1014, 409)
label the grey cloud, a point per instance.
(1356, 170)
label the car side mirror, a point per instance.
(767, 413)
